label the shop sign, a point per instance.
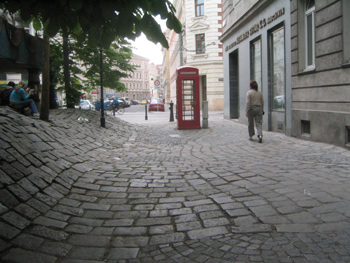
(255, 28)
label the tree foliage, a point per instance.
(115, 64)
(99, 22)
(95, 21)
(66, 70)
(83, 66)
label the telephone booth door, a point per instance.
(187, 89)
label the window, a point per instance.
(305, 127)
(255, 62)
(200, 44)
(310, 34)
(346, 32)
(277, 69)
(199, 6)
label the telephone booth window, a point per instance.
(188, 100)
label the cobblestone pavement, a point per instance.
(74, 192)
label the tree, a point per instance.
(66, 70)
(99, 22)
(115, 65)
(79, 56)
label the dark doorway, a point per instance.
(234, 85)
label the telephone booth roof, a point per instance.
(187, 67)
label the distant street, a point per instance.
(136, 114)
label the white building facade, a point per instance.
(138, 83)
(199, 46)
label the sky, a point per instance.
(148, 49)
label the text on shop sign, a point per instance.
(255, 28)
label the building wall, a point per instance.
(321, 96)
(246, 22)
(154, 74)
(138, 84)
(174, 48)
(20, 53)
(210, 64)
(233, 10)
(165, 74)
(183, 53)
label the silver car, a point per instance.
(86, 105)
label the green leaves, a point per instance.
(75, 4)
(51, 28)
(37, 24)
(112, 18)
(174, 23)
(153, 30)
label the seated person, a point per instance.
(19, 99)
(5, 94)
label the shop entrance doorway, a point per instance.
(234, 85)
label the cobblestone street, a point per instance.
(73, 192)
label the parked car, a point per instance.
(123, 103)
(143, 102)
(86, 105)
(106, 105)
(135, 102)
(156, 105)
(127, 100)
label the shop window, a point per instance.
(255, 62)
(199, 6)
(277, 69)
(200, 44)
(305, 127)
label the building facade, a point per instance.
(256, 42)
(20, 51)
(165, 73)
(175, 51)
(198, 45)
(156, 89)
(321, 71)
(138, 84)
(299, 53)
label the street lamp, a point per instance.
(103, 121)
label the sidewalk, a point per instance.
(74, 192)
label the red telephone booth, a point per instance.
(187, 96)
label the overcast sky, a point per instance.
(148, 49)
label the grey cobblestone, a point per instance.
(133, 193)
(49, 222)
(15, 220)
